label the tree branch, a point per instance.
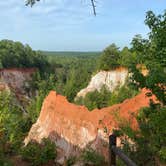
(94, 7)
(32, 2)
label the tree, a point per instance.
(126, 57)
(32, 2)
(109, 58)
(151, 53)
(15, 54)
(149, 146)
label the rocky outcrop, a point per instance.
(110, 79)
(15, 78)
(74, 128)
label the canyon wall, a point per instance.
(15, 79)
(110, 79)
(74, 128)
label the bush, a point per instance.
(96, 99)
(90, 156)
(150, 141)
(105, 98)
(37, 154)
(71, 161)
(122, 93)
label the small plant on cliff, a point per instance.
(38, 154)
(71, 160)
(96, 99)
(91, 157)
(127, 91)
(106, 98)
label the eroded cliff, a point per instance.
(74, 128)
(15, 78)
(110, 79)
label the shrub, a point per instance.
(122, 93)
(105, 98)
(90, 156)
(71, 161)
(149, 141)
(96, 99)
(38, 154)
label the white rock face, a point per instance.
(110, 79)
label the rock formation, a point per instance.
(110, 79)
(74, 128)
(15, 78)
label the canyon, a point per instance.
(71, 127)
(74, 128)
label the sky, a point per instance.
(69, 25)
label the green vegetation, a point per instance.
(72, 71)
(15, 54)
(39, 154)
(95, 99)
(71, 161)
(106, 98)
(13, 126)
(65, 73)
(91, 157)
(112, 57)
(150, 141)
(68, 73)
(127, 91)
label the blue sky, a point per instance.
(69, 25)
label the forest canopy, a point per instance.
(15, 54)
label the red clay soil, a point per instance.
(70, 125)
(74, 128)
(29, 70)
(57, 105)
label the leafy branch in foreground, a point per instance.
(149, 146)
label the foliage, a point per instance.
(38, 89)
(90, 156)
(152, 54)
(15, 54)
(105, 98)
(127, 57)
(71, 161)
(38, 154)
(72, 72)
(126, 91)
(95, 99)
(150, 141)
(112, 58)
(109, 59)
(13, 126)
